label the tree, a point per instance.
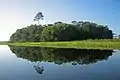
(38, 16)
(60, 31)
(29, 33)
(74, 22)
(58, 22)
(119, 36)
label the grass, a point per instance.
(85, 44)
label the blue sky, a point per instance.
(16, 14)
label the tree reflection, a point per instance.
(60, 56)
(39, 69)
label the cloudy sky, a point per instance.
(15, 14)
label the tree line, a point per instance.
(60, 31)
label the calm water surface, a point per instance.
(35, 63)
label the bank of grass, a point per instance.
(85, 44)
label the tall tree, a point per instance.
(38, 16)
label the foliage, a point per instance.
(119, 36)
(30, 33)
(38, 16)
(60, 31)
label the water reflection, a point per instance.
(39, 69)
(60, 56)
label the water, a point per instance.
(35, 63)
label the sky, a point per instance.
(16, 14)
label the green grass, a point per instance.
(85, 44)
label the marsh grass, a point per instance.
(85, 44)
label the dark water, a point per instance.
(34, 63)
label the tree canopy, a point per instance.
(60, 31)
(29, 33)
(38, 16)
